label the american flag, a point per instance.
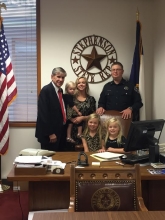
(8, 91)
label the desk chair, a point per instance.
(115, 188)
(125, 123)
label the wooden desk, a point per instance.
(51, 191)
(100, 215)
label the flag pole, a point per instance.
(2, 5)
(2, 187)
(137, 14)
(1, 190)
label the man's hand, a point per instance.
(100, 111)
(78, 119)
(127, 113)
(79, 113)
(53, 138)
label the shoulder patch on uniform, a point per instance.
(136, 89)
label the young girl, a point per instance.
(92, 135)
(68, 98)
(114, 140)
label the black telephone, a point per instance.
(80, 162)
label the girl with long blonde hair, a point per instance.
(92, 136)
(114, 139)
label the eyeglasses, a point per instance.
(117, 70)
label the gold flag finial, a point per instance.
(2, 5)
(137, 14)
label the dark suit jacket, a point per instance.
(49, 117)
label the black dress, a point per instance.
(68, 99)
(114, 144)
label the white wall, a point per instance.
(71, 20)
(159, 63)
(65, 22)
(20, 138)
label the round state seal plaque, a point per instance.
(92, 57)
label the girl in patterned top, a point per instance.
(114, 140)
(92, 135)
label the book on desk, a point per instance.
(106, 156)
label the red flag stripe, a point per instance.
(4, 130)
(3, 109)
(5, 147)
(9, 68)
(10, 82)
(2, 86)
(12, 97)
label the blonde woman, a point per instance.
(84, 102)
(92, 136)
(82, 99)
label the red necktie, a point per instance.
(62, 105)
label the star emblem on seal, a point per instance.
(94, 59)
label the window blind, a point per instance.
(20, 29)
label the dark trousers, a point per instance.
(59, 145)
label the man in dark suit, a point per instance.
(50, 125)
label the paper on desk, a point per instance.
(28, 165)
(28, 159)
(106, 156)
(51, 162)
(158, 165)
(25, 165)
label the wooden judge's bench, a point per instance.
(52, 191)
